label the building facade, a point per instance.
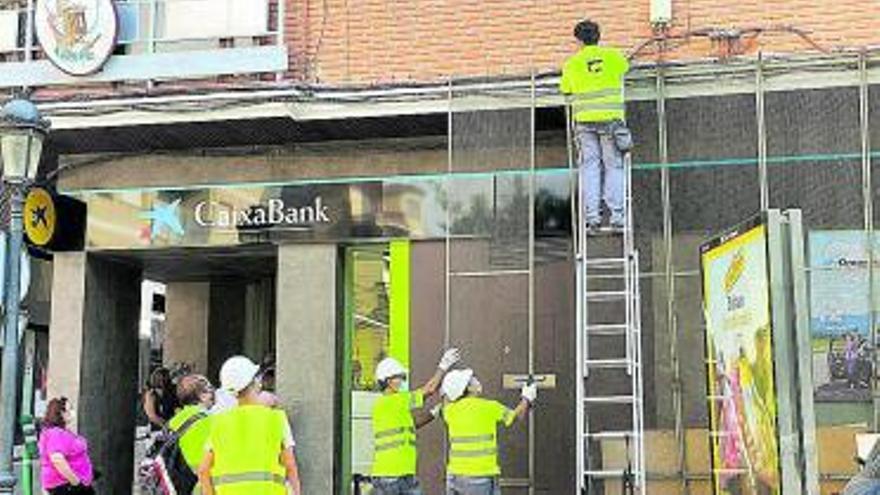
(327, 183)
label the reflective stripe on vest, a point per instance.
(473, 453)
(472, 439)
(599, 105)
(463, 446)
(228, 479)
(393, 431)
(395, 444)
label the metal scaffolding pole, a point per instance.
(531, 288)
(669, 271)
(447, 240)
(762, 132)
(868, 198)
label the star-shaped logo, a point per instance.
(38, 216)
(164, 217)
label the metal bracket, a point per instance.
(512, 381)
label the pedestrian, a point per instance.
(268, 397)
(592, 80)
(472, 424)
(196, 397)
(250, 449)
(64, 456)
(394, 427)
(159, 399)
(850, 353)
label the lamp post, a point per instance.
(22, 131)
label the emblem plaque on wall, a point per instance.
(78, 36)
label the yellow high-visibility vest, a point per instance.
(247, 442)
(593, 80)
(472, 424)
(394, 434)
(192, 443)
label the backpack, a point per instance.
(164, 471)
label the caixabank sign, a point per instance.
(412, 207)
(227, 216)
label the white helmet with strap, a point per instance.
(389, 368)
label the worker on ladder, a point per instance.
(472, 422)
(394, 428)
(592, 80)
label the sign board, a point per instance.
(840, 313)
(40, 217)
(410, 207)
(78, 36)
(53, 222)
(740, 363)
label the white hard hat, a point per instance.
(389, 367)
(237, 373)
(456, 382)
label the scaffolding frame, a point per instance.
(759, 76)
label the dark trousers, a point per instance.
(72, 490)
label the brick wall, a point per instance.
(382, 41)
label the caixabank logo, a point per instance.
(275, 212)
(170, 219)
(164, 219)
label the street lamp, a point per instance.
(22, 131)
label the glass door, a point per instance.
(376, 325)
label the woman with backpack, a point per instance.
(64, 456)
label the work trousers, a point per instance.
(472, 485)
(403, 485)
(597, 153)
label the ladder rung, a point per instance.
(611, 435)
(609, 363)
(605, 473)
(606, 295)
(611, 399)
(607, 329)
(606, 262)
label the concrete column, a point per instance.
(306, 355)
(186, 324)
(92, 356)
(66, 324)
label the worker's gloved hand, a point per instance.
(449, 359)
(435, 411)
(530, 392)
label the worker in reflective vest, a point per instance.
(196, 394)
(592, 80)
(250, 447)
(394, 428)
(472, 424)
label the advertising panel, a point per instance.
(740, 373)
(840, 314)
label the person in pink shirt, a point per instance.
(64, 455)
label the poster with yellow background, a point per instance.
(739, 344)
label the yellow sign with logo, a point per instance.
(40, 217)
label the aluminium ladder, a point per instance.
(610, 399)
